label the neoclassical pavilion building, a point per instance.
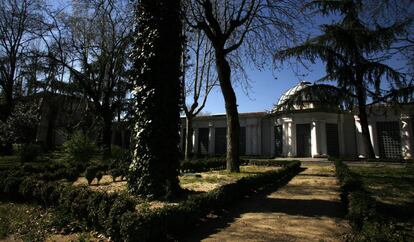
(310, 131)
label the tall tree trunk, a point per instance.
(363, 120)
(188, 137)
(232, 115)
(156, 70)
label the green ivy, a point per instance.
(156, 77)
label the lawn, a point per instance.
(389, 184)
(198, 182)
(24, 221)
(207, 181)
(29, 222)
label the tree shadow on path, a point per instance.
(265, 204)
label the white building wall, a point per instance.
(260, 132)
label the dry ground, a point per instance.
(307, 209)
(199, 182)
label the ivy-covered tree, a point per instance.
(156, 76)
(353, 55)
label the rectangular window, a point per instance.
(242, 141)
(220, 141)
(389, 140)
(332, 143)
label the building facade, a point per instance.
(310, 131)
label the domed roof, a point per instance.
(285, 96)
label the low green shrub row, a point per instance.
(173, 221)
(256, 162)
(27, 152)
(115, 214)
(50, 172)
(206, 164)
(219, 163)
(367, 223)
(101, 211)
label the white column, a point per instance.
(406, 139)
(212, 138)
(289, 141)
(314, 139)
(195, 140)
(359, 143)
(374, 139)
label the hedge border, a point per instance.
(362, 213)
(115, 215)
(174, 221)
(219, 163)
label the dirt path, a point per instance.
(306, 209)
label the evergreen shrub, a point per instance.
(367, 223)
(28, 152)
(79, 148)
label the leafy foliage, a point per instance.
(353, 55)
(28, 152)
(20, 127)
(79, 148)
(368, 224)
(156, 61)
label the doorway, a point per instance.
(303, 140)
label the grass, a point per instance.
(388, 184)
(392, 186)
(25, 221)
(206, 181)
(8, 161)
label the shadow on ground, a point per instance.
(291, 214)
(215, 222)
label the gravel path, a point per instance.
(306, 209)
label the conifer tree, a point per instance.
(156, 76)
(353, 55)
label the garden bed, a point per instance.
(390, 184)
(377, 210)
(116, 215)
(198, 182)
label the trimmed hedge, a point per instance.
(219, 163)
(281, 163)
(367, 223)
(173, 221)
(200, 165)
(115, 215)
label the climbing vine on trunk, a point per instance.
(156, 76)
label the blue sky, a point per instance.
(266, 88)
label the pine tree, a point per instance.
(156, 76)
(351, 51)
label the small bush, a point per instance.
(93, 212)
(117, 152)
(91, 173)
(200, 165)
(28, 152)
(116, 172)
(99, 176)
(72, 174)
(103, 210)
(80, 148)
(121, 205)
(11, 186)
